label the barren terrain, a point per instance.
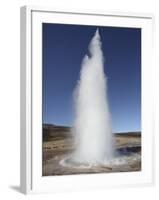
(58, 146)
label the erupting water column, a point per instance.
(92, 126)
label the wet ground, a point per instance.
(58, 147)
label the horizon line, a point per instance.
(52, 124)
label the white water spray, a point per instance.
(92, 127)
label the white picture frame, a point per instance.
(31, 100)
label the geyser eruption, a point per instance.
(92, 126)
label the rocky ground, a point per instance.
(58, 146)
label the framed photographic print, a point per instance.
(86, 100)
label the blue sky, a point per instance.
(64, 47)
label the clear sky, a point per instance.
(64, 47)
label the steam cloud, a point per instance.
(92, 126)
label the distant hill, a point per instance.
(136, 133)
(51, 131)
(54, 126)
